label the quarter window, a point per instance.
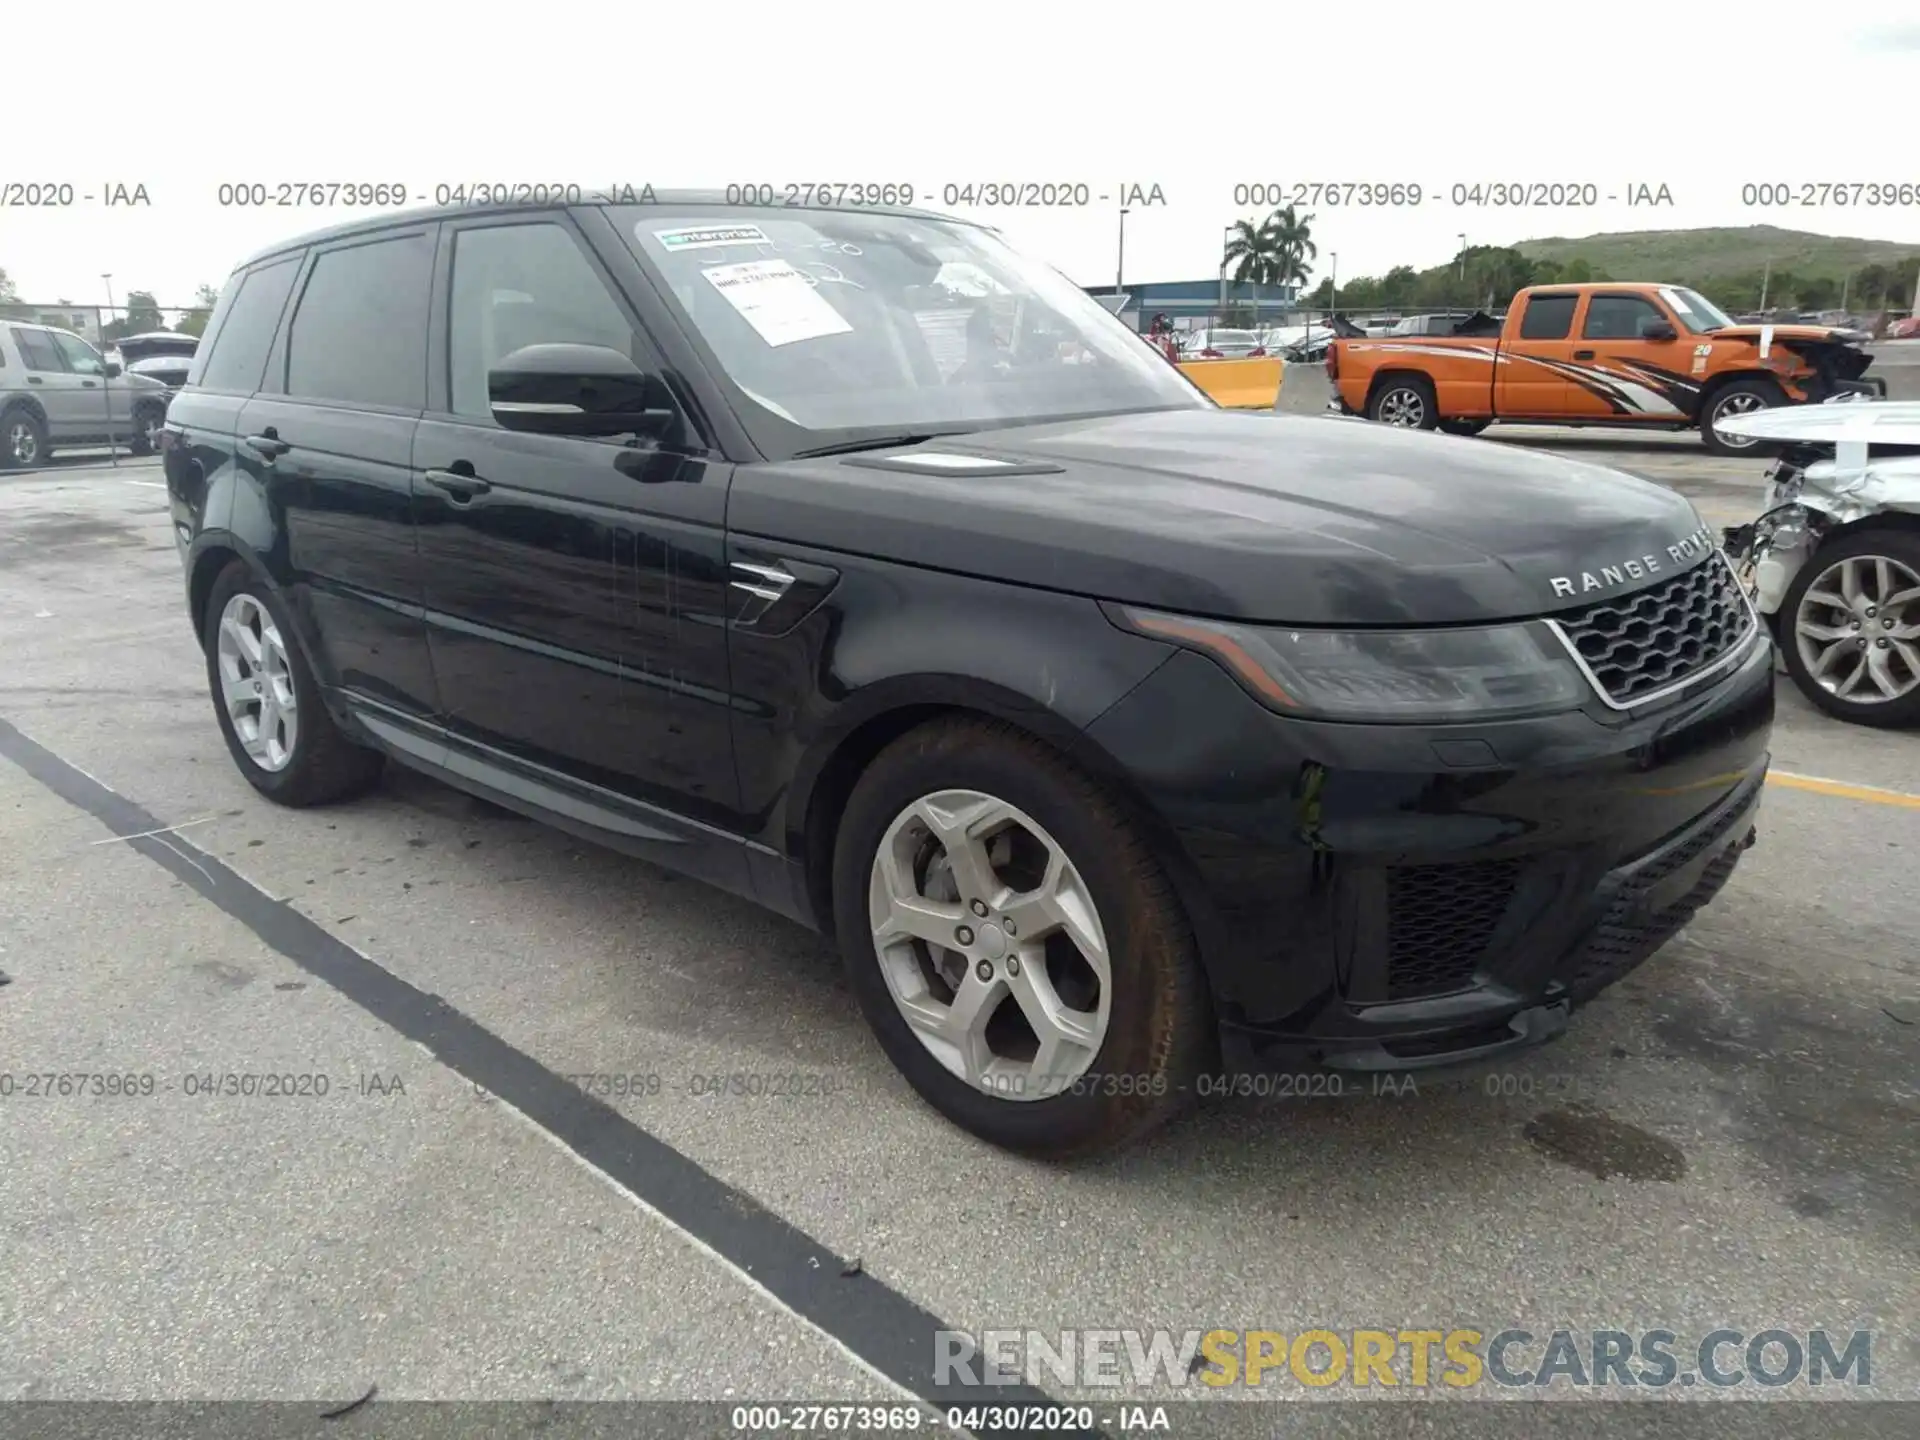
(242, 337)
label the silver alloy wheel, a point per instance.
(1744, 402)
(150, 429)
(1404, 406)
(990, 944)
(23, 446)
(1858, 629)
(256, 683)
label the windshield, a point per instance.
(1693, 310)
(830, 325)
(1229, 337)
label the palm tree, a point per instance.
(1251, 251)
(1293, 242)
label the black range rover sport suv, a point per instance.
(854, 563)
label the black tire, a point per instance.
(324, 766)
(1408, 395)
(145, 419)
(23, 439)
(1733, 397)
(1901, 546)
(1160, 1034)
(1464, 427)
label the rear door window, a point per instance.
(359, 333)
(237, 355)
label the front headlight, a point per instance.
(1383, 676)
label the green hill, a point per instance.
(1732, 267)
(1702, 256)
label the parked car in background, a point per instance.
(57, 390)
(1833, 562)
(1215, 344)
(1907, 329)
(1653, 356)
(154, 344)
(170, 370)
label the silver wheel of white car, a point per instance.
(990, 944)
(256, 683)
(1854, 642)
(22, 440)
(1858, 629)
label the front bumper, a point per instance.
(1392, 898)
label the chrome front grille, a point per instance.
(1640, 646)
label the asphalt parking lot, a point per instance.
(511, 1188)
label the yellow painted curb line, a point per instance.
(1841, 790)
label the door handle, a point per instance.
(88, 385)
(33, 379)
(461, 486)
(272, 447)
(1583, 354)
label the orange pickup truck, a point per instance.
(1655, 356)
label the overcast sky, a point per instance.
(1196, 99)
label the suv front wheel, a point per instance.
(269, 704)
(1015, 945)
(23, 440)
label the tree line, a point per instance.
(141, 315)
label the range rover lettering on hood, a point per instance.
(1640, 567)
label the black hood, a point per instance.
(1286, 519)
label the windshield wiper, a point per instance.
(878, 442)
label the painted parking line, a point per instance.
(1844, 789)
(879, 1328)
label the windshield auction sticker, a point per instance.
(776, 299)
(709, 237)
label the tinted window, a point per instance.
(37, 350)
(359, 336)
(1618, 317)
(243, 336)
(518, 285)
(1548, 317)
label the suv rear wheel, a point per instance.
(269, 704)
(1015, 945)
(1405, 401)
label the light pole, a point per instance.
(106, 381)
(1120, 264)
(1223, 270)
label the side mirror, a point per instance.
(112, 370)
(584, 390)
(1659, 330)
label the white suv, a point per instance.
(56, 389)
